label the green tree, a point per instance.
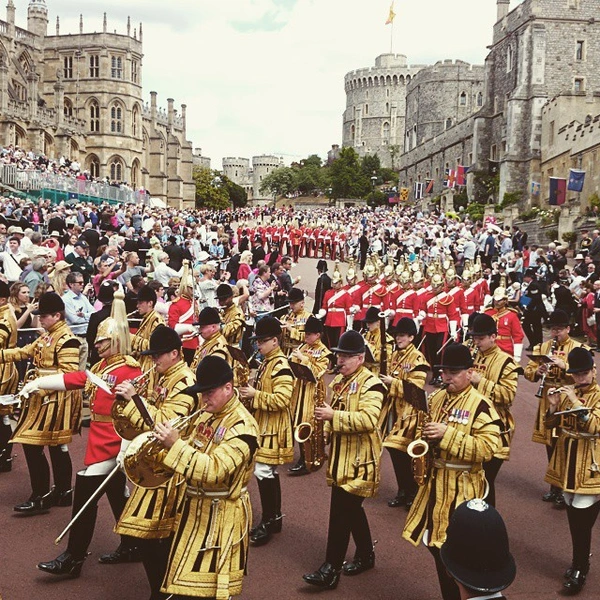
(388, 176)
(237, 194)
(312, 161)
(347, 177)
(210, 191)
(279, 182)
(371, 166)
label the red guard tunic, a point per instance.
(470, 296)
(509, 327)
(337, 303)
(439, 311)
(406, 305)
(370, 295)
(103, 441)
(182, 312)
(483, 290)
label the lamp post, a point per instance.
(373, 180)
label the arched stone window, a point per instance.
(135, 118)
(479, 99)
(68, 109)
(116, 118)
(116, 169)
(385, 133)
(509, 59)
(462, 99)
(94, 110)
(93, 165)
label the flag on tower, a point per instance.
(419, 188)
(558, 191)
(461, 175)
(392, 15)
(429, 186)
(576, 180)
(450, 180)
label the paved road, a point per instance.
(538, 533)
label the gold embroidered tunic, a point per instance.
(405, 365)
(555, 378)
(150, 513)
(272, 409)
(215, 345)
(316, 357)
(49, 417)
(140, 342)
(210, 547)
(355, 451)
(234, 323)
(294, 336)
(472, 438)
(499, 377)
(575, 463)
(9, 377)
(373, 339)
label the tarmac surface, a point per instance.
(538, 534)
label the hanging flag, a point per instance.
(391, 16)
(558, 191)
(576, 180)
(393, 197)
(429, 186)
(404, 194)
(419, 187)
(461, 175)
(536, 188)
(450, 180)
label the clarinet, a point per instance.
(540, 391)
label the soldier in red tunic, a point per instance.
(510, 332)
(183, 313)
(405, 300)
(104, 444)
(336, 306)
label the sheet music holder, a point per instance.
(415, 396)
(302, 372)
(238, 354)
(540, 358)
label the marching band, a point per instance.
(342, 384)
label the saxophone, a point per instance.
(311, 436)
(242, 375)
(419, 452)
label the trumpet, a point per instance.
(143, 458)
(121, 424)
(540, 390)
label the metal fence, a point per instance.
(74, 188)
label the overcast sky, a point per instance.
(267, 76)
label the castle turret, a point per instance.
(37, 18)
(503, 8)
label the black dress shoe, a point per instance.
(61, 498)
(559, 501)
(64, 564)
(39, 505)
(399, 500)
(359, 564)
(575, 582)
(409, 501)
(122, 554)
(260, 534)
(298, 470)
(326, 577)
(549, 496)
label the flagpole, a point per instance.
(392, 39)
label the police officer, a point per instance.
(573, 467)
(476, 552)
(351, 423)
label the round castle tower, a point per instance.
(261, 167)
(37, 17)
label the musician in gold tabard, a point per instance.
(373, 339)
(574, 465)
(495, 375)
(293, 323)
(232, 315)
(270, 398)
(315, 355)
(9, 377)
(146, 301)
(406, 364)
(48, 419)
(353, 470)
(463, 433)
(554, 374)
(149, 514)
(214, 343)
(216, 463)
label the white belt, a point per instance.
(196, 492)
(337, 309)
(439, 463)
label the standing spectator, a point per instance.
(35, 275)
(80, 260)
(175, 253)
(78, 311)
(162, 272)
(323, 284)
(258, 252)
(535, 311)
(489, 249)
(261, 291)
(594, 251)
(11, 259)
(285, 280)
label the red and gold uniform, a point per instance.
(140, 342)
(9, 380)
(181, 312)
(510, 331)
(293, 335)
(234, 323)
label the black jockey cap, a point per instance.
(483, 325)
(351, 342)
(163, 340)
(456, 357)
(580, 360)
(106, 293)
(405, 326)
(476, 551)
(322, 266)
(295, 295)
(559, 318)
(372, 315)
(4, 289)
(208, 316)
(313, 325)
(267, 327)
(49, 303)
(147, 294)
(224, 291)
(212, 372)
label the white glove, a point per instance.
(121, 459)
(354, 309)
(518, 352)
(389, 312)
(417, 323)
(30, 388)
(464, 320)
(184, 329)
(48, 382)
(321, 314)
(453, 329)
(422, 314)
